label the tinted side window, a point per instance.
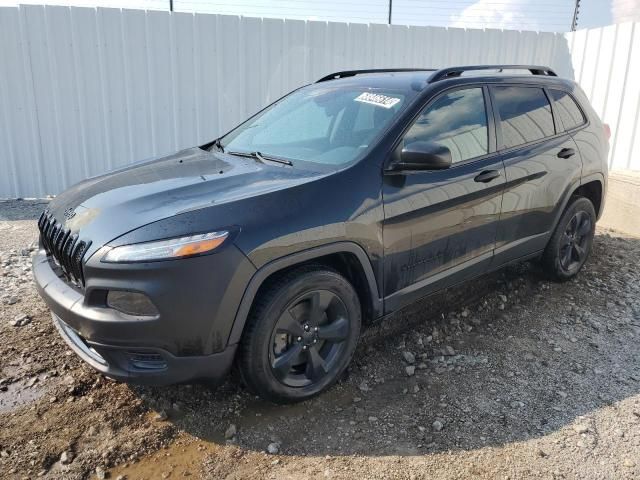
(525, 114)
(457, 120)
(567, 109)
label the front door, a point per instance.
(440, 226)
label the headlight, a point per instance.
(166, 249)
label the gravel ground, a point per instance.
(510, 376)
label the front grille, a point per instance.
(65, 247)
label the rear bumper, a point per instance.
(144, 365)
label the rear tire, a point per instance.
(300, 335)
(570, 244)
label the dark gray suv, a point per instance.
(338, 204)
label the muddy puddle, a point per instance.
(19, 393)
(181, 459)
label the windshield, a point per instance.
(331, 126)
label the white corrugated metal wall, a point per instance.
(606, 63)
(85, 90)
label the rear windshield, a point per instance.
(318, 123)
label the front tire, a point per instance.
(300, 335)
(570, 244)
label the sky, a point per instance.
(542, 15)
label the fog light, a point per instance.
(147, 361)
(131, 303)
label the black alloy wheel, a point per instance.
(573, 248)
(300, 335)
(570, 245)
(309, 338)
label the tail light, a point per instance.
(607, 131)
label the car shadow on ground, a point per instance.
(507, 357)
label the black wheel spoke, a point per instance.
(282, 364)
(316, 366)
(334, 332)
(578, 251)
(584, 226)
(565, 256)
(572, 226)
(289, 324)
(320, 301)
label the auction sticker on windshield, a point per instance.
(377, 99)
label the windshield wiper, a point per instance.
(218, 144)
(261, 157)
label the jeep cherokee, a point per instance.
(338, 204)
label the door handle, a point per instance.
(487, 176)
(566, 153)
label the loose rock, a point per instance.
(273, 448)
(230, 432)
(409, 357)
(66, 458)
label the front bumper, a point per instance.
(187, 341)
(145, 366)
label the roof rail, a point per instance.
(457, 71)
(352, 73)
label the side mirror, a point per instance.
(423, 156)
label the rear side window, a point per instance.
(457, 120)
(525, 115)
(568, 110)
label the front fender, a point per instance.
(297, 258)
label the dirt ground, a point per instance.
(513, 377)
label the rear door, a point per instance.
(440, 226)
(542, 166)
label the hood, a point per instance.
(103, 208)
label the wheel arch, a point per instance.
(348, 258)
(593, 189)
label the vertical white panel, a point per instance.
(491, 46)
(601, 73)
(110, 23)
(455, 46)
(65, 93)
(622, 151)
(89, 91)
(137, 81)
(591, 61)
(578, 51)
(184, 80)
(160, 92)
(272, 67)
(207, 71)
(46, 92)
(11, 123)
(228, 37)
(84, 90)
(251, 49)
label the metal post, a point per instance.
(574, 22)
(171, 5)
(390, 9)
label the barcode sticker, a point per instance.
(377, 99)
